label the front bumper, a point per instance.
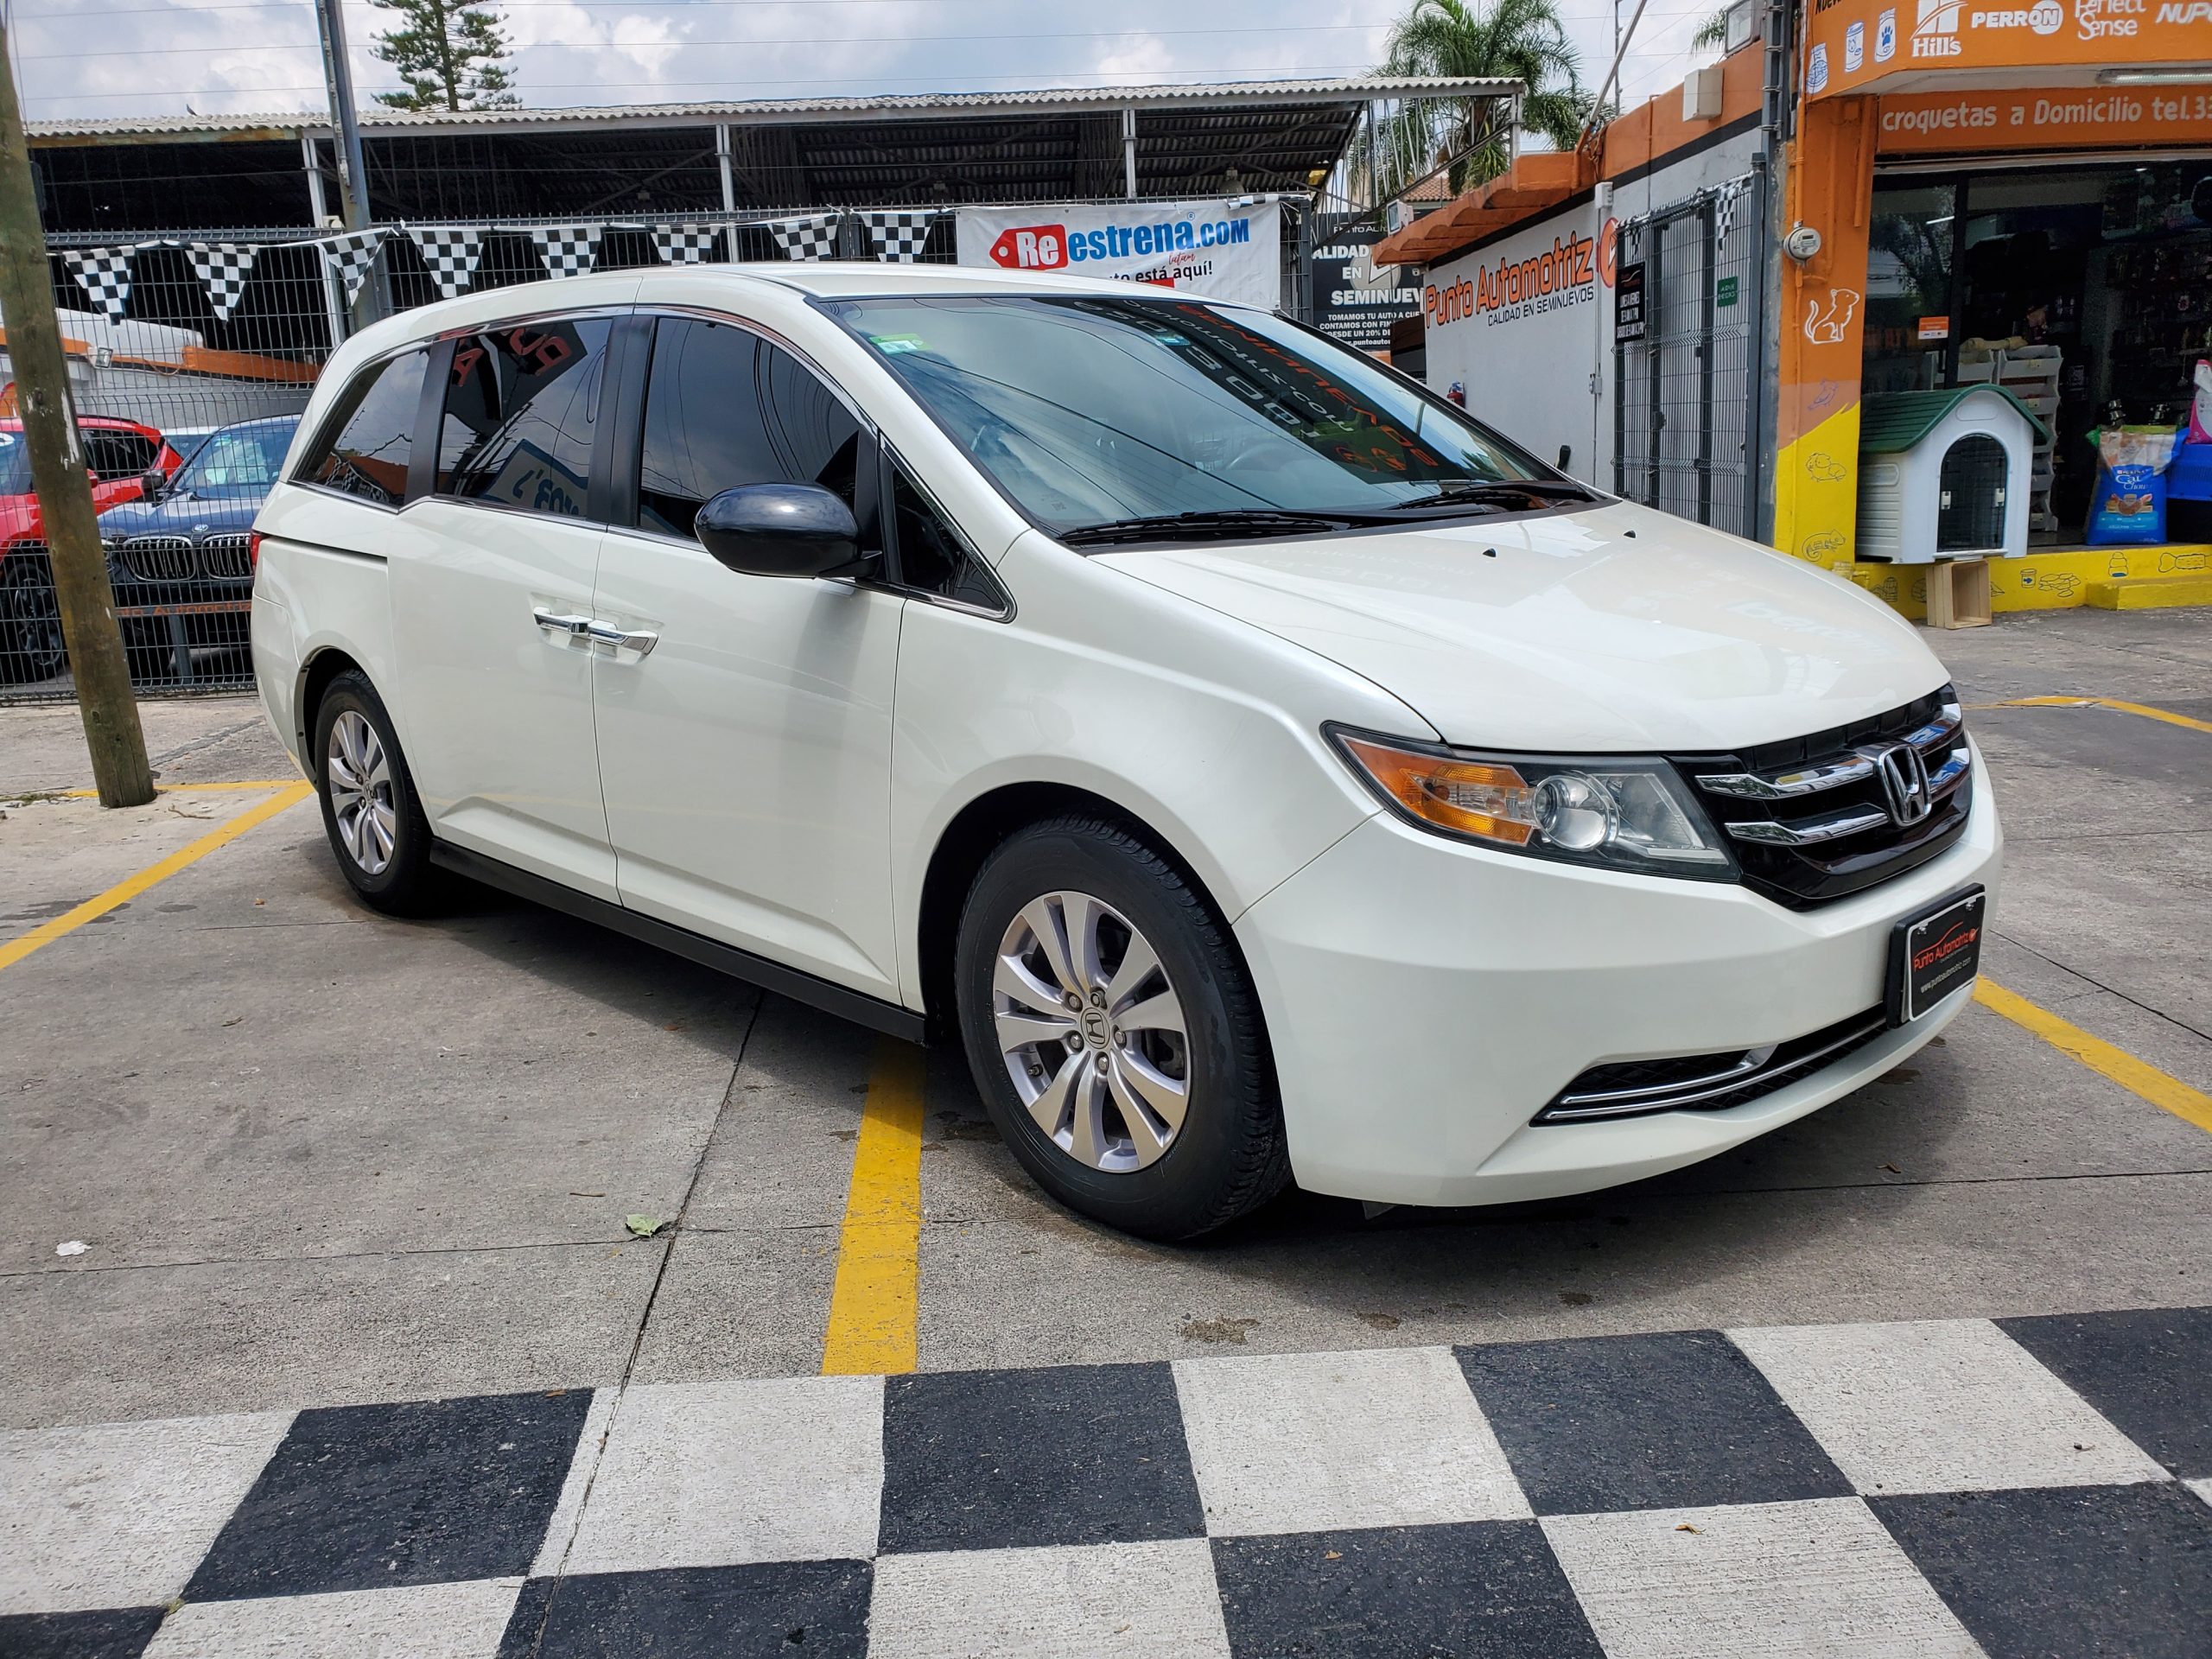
(1426, 999)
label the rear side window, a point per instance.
(366, 455)
(112, 456)
(521, 414)
(724, 408)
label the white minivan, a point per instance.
(1264, 771)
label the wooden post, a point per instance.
(65, 494)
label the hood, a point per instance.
(180, 515)
(1616, 628)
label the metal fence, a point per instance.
(1684, 392)
(191, 356)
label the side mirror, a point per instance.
(153, 483)
(781, 530)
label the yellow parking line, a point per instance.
(172, 789)
(2142, 709)
(2101, 1057)
(14, 951)
(873, 1306)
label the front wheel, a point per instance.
(369, 809)
(31, 647)
(1115, 1034)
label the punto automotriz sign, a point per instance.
(1213, 248)
(1519, 284)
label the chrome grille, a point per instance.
(225, 558)
(159, 558)
(1709, 1082)
(1820, 817)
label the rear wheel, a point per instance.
(31, 647)
(1115, 1034)
(369, 809)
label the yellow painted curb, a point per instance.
(2150, 592)
(874, 1306)
(122, 893)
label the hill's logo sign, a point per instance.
(1551, 279)
(1207, 247)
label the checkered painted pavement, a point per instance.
(2028, 1486)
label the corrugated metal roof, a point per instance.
(1043, 100)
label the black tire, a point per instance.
(31, 647)
(1227, 1155)
(407, 884)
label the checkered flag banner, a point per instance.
(687, 244)
(351, 256)
(222, 268)
(451, 251)
(899, 236)
(811, 236)
(1724, 212)
(568, 250)
(104, 274)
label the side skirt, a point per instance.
(794, 983)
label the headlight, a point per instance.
(1623, 814)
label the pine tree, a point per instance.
(449, 52)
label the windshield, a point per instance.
(1092, 412)
(14, 462)
(240, 460)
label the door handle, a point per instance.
(553, 622)
(606, 633)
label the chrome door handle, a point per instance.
(606, 633)
(553, 623)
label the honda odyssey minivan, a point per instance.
(1264, 771)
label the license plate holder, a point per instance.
(1935, 951)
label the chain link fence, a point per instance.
(1683, 408)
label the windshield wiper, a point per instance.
(1223, 524)
(1500, 493)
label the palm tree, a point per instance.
(1518, 40)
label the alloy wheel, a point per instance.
(1092, 1032)
(359, 773)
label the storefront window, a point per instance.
(2085, 291)
(1911, 241)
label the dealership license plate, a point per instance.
(1935, 953)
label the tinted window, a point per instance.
(368, 455)
(931, 556)
(241, 461)
(522, 411)
(725, 408)
(117, 455)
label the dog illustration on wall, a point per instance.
(1827, 326)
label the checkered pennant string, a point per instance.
(568, 250)
(222, 268)
(687, 244)
(1723, 214)
(351, 256)
(899, 236)
(104, 274)
(451, 251)
(811, 236)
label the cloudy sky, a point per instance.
(126, 57)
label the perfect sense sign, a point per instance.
(1856, 45)
(1203, 247)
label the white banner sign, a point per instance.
(1202, 247)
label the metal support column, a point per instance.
(1708, 280)
(353, 170)
(1129, 154)
(728, 168)
(333, 293)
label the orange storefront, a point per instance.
(2020, 195)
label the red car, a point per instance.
(118, 455)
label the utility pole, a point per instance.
(65, 491)
(345, 120)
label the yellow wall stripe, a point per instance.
(14, 951)
(2101, 1057)
(873, 1307)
